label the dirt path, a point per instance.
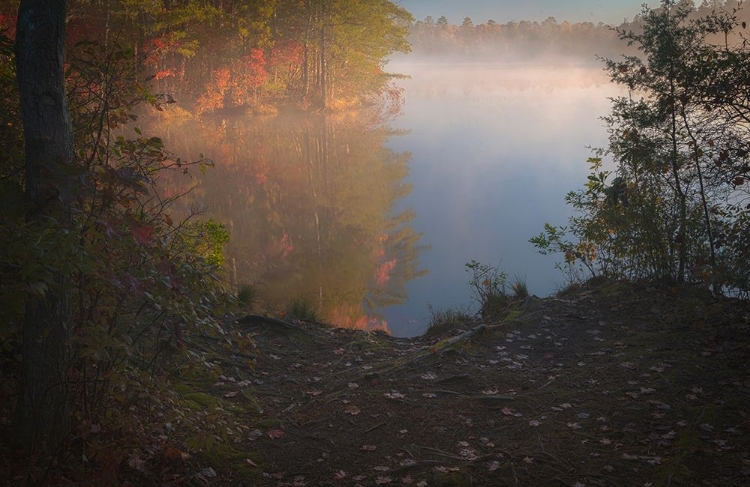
(615, 385)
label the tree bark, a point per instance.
(42, 415)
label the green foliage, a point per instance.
(142, 284)
(208, 239)
(673, 208)
(444, 321)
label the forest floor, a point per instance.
(612, 385)
(605, 385)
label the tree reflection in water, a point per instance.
(309, 202)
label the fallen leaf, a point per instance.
(275, 434)
(368, 448)
(231, 393)
(353, 410)
(394, 395)
(340, 475)
(173, 454)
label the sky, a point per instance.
(501, 11)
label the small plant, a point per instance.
(443, 321)
(301, 309)
(489, 288)
(520, 288)
(247, 296)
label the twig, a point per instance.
(373, 428)
(443, 453)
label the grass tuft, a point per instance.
(444, 321)
(247, 296)
(301, 309)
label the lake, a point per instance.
(369, 219)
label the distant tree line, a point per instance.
(526, 40)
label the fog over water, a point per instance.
(495, 148)
(329, 207)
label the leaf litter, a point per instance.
(590, 387)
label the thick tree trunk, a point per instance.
(42, 414)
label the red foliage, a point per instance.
(157, 47)
(8, 23)
(141, 232)
(253, 70)
(287, 52)
(237, 87)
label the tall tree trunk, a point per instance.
(42, 414)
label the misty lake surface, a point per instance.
(369, 221)
(495, 148)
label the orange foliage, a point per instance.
(216, 91)
(164, 73)
(346, 316)
(384, 271)
(238, 86)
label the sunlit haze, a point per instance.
(480, 11)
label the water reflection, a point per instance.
(495, 148)
(309, 202)
(322, 207)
